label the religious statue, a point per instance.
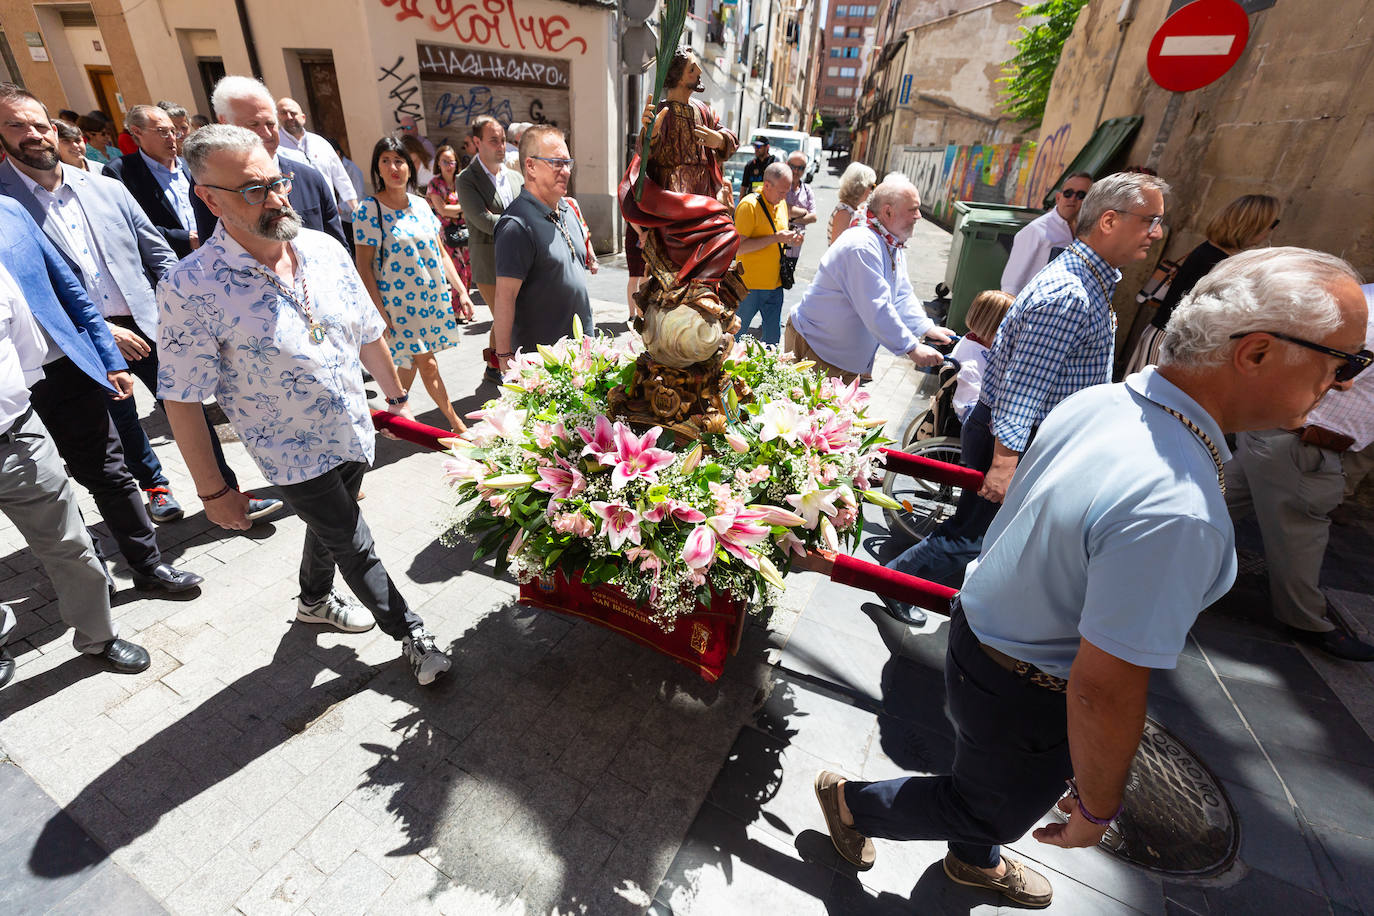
(681, 206)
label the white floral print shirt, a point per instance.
(226, 331)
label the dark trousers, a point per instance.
(138, 451)
(73, 408)
(946, 553)
(1011, 758)
(336, 535)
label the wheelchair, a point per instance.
(932, 434)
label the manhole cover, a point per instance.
(1177, 819)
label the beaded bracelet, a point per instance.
(1073, 790)
(216, 495)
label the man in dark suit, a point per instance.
(157, 178)
(118, 273)
(483, 202)
(71, 397)
(245, 102)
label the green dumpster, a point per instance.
(978, 252)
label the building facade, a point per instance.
(934, 81)
(845, 35)
(356, 66)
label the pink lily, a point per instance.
(561, 482)
(545, 433)
(621, 523)
(700, 550)
(635, 457)
(574, 523)
(737, 532)
(737, 442)
(773, 515)
(674, 509)
(498, 421)
(790, 543)
(603, 440)
(461, 470)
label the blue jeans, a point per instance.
(768, 304)
(1011, 757)
(946, 553)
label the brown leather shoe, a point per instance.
(1021, 885)
(856, 848)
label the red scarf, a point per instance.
(883, 234)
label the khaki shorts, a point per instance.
(794, 343)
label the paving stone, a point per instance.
(335, 838)
(1259, 892)
(418, 888)
(275, 832)
(282, 889)
(727, 866)
(214, 886)
(351, 889)
(1271, 839)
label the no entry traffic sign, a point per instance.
(1198, 44)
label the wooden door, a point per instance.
(322, 97)
(106, 93)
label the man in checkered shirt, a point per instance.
(1292, 479)
(1058, 338)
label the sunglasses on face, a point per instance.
(1355, 363)
(1073, 195)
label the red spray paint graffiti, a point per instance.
(492, 22)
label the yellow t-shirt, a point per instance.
(760, 267)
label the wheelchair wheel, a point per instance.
(925, 503)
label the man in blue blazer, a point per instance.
(245, 102)
(82, 372)
(116, 253)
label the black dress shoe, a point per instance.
(492, 376)
(164, 578)
(902, 612)
(6, 667)
(1337, 642)
(125, 657)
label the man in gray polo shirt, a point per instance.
(1113, 537)
(541, 253)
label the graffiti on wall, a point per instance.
(987, 173)
(492, 22)
(402, 89)
(1050, 162)
(462, 84)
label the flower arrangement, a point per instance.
(548, 480)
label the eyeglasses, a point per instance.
(1355, 363)
(1154, 221)
(256, 194)
(166, 133)
(555, 162)
(1073, 195)
(797, 168)
(1274, 224)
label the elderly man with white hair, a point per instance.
(862, 297)
(1113, 536)
(245, 102)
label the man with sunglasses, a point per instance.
(272, 319)
(1115, 534)
(541, 253)
(1043, 237)
(1291, 477)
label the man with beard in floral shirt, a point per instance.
(272, 320)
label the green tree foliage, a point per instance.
(1028, 75)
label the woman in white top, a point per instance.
(857, 182)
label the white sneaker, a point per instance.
(425, 658)
(337, 611)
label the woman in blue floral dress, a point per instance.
(409, 273)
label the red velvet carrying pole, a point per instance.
(930, 469)
(410, 430)
(874, 578)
